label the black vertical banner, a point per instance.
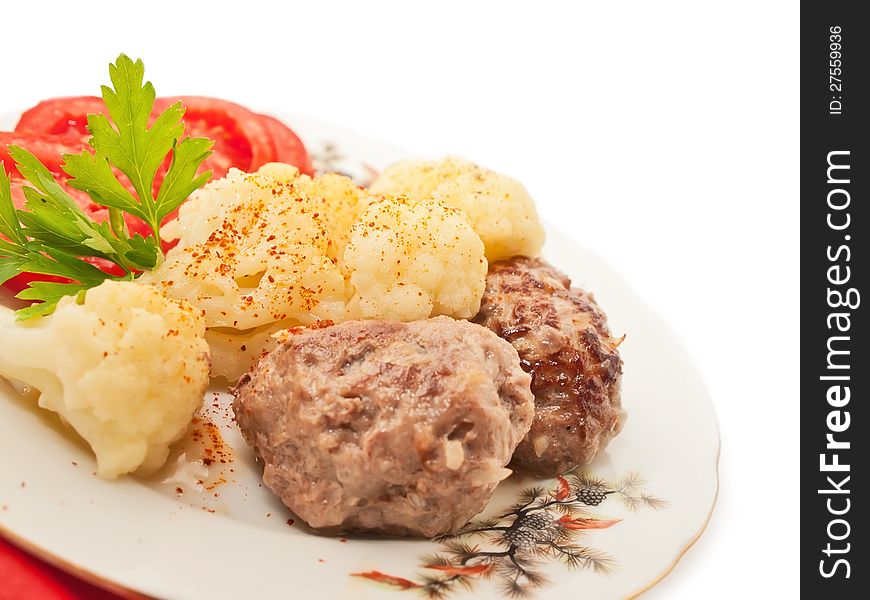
(835, 366)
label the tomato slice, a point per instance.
(241, 139)
(81, 198)
(61, 116)
(49, 149)
(23, 280)
(288, 147)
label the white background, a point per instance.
(663, 135)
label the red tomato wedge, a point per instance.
(241, 139)
(49, 149)
(288, 147)
(22, 281)
(61, 116)
(97, 213)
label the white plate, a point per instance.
(232, 540)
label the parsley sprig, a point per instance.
(52, 235)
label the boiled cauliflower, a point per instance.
(255, 249)
(336, 199)
(342, 202)
(233, 352)
(126, 369)
(258, 253)
(412, 259)
(499, 207)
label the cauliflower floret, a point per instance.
(233, 352)
(254, 249)
(258, 253)
(337, 199)
(499, 207)
(341, 202)
(126, 369)
(412, 259)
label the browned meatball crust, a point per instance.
(397, 428)
(562, 338)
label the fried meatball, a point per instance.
(381, 426)
(562, 338)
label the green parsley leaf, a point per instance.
(52, 261)
(11, 249)
(52, 235)
(9, 225)
(137, 150)
(142, 252)
(10, 266)
(48, 293)
(63, 226)
(12, 252)
(181, 179)
(95, 176)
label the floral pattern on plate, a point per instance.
(510, 548)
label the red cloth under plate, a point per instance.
(25, 577)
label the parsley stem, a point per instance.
(155, 230)
(119, 225)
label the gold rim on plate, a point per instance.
(691, 542)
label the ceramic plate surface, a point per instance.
(204, 527)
